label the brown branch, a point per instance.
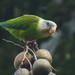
(33, 53)
(13, 43)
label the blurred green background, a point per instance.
(61, 45)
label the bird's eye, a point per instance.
(47, 23)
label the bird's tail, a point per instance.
(4, 24)
(1, 23)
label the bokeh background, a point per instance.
(61, 45)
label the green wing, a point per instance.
(22, 23)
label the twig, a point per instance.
(29, 63)
(27, 48)
(54, 68)
(36, 46)
(22, 62)
(25, 55)
(13, 43)
(33, 53)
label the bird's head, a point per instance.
(47, 26)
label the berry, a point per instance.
(41, 67)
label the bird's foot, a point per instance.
(30, 41)
(32, 44)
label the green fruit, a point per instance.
(22, 71)
(18, 60)
(41, 67)
(44, 54)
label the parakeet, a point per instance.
(29, 27)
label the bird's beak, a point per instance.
(52, 29)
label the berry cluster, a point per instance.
(41, 66)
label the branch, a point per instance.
(13, 43)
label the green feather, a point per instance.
(24, 27)
(22, 22)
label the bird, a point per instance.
(29, 27)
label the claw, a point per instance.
(32, 44)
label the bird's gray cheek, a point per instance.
(48, 27)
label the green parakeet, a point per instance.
(29, 27)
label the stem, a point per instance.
(33, 53)
(13, 43)
(29, 63)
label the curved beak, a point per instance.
(52, 30)
(53, 27)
